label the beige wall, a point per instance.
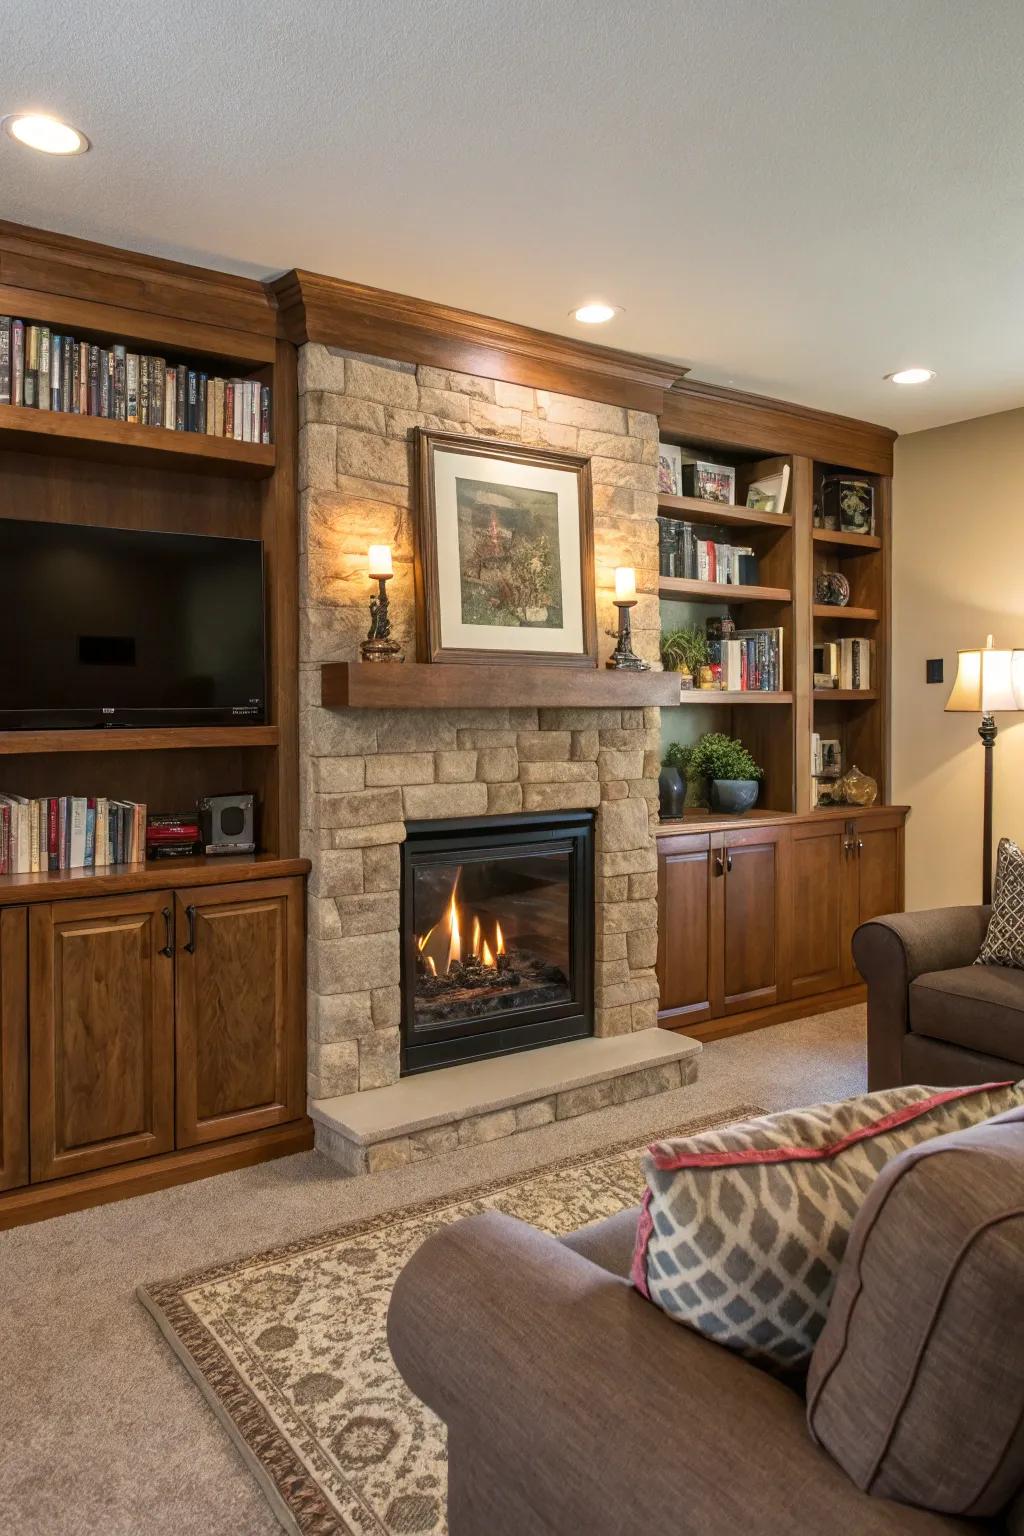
(958, 574)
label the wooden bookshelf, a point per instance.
(739, 698)
(692, 509)
(683, 589)
(167, 739)
(847, 614)
(847, 695)
(851, 541)
(25, 430)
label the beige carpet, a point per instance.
(290, 1347)
(102, 1431)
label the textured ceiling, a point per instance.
(792, 196)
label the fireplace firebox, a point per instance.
(497, 936)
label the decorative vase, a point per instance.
(671, 793)
(707, 678)
(832, 588)
(733, 794)
(858, 788)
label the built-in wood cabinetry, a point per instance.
(755, 920)
(13, 1049)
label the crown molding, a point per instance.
(382, 324)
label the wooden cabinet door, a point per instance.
(749, 892)
(684, 929)
(821, 870)
(13, 1048)
(101, 1029)
(239, 1016)
(878, 861)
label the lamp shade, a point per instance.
(984, 682)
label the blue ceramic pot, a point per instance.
(733, 794)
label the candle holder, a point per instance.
(378, 645)
(624, 657)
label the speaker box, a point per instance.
(227, 823)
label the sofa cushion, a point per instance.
(1004, 940)
(980, 1007)
(743, 1229)
(916, 1386)
(609, 1243)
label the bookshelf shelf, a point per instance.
(855, 541)
(22, 428)
(860, 615)
(18, 743)
(154, 875)
(746, 696)
(847, 695)
(682, 589)
(693, 509)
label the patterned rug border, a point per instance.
(292, 1493)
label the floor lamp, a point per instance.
(988, 682)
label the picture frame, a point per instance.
(710, 482)
(848, 504)
(670, 469)
(504, 553)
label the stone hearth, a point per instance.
(366, 772)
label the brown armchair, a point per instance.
(933, 1015)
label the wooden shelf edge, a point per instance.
(421, 685)
(831, 611)
(165, 739)
(38, 1202)
(850, 540)
(744, 696)
(681, 588)
(97, 437)
(693, 509)
(847, 695)
(155, 875)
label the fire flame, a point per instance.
(448, 941)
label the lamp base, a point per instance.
(380, 650)
(624, 658)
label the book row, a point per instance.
(743, 660)
(48, 371)
(69, 832)
(843, 663)
(697, 555)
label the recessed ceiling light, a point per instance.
(596, 313)
(911, 376)
(37, 131)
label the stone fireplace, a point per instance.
(371, 776)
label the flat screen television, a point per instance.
(114, 627)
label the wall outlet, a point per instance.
(933, 670)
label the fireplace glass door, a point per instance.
(497, 942)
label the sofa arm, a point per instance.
(890, 952)
(586, 1409)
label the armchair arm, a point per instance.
(890, 952)
(584, 1408)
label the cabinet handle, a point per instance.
(168, 948)
(719, 863)
(190, 943)
(728, 861)
(860, 844)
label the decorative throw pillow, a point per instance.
(742, 1230)
(1004, 941)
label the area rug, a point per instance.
(289, 1348)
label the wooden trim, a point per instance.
(13, 1048)
(161, 874)
(694, 509)
(430, 642)
(371, 320)
(724, 696)
(157, 739)
(762, 1018)
(686, 590)
(731, 418)
(695, 823)
(27, 430)
(44, 261)
(40, 1201)
(418, 685)
(851, 541)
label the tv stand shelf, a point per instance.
(168, 738)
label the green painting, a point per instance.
(508, 555)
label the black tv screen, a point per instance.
(113, 627)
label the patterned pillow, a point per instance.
(1004, 941)
(743, 1230)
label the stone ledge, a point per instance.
(477, 1088)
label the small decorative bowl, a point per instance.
(832, 588)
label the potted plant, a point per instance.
(731, 774)
(672, 780)
(685, 651)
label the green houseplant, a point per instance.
(730, 773)
(684, 650)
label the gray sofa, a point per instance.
(575, 1408)
(934, 1016)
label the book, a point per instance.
(855, 662)
(43, 368)
(5, 359)
(131, 386)
(17, 362)
(119, 395)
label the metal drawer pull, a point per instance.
(168, 948)
(190, 943)
(719, 864)
(728, 862)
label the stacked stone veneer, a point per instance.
(364, 773)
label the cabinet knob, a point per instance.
(719, 863)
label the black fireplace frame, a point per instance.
(502, 1034)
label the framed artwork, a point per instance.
(670, 469)
(504, 553)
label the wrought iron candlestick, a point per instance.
(378, 645)
(624, 656)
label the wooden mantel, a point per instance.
(421, 685)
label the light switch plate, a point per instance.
(933, 670)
